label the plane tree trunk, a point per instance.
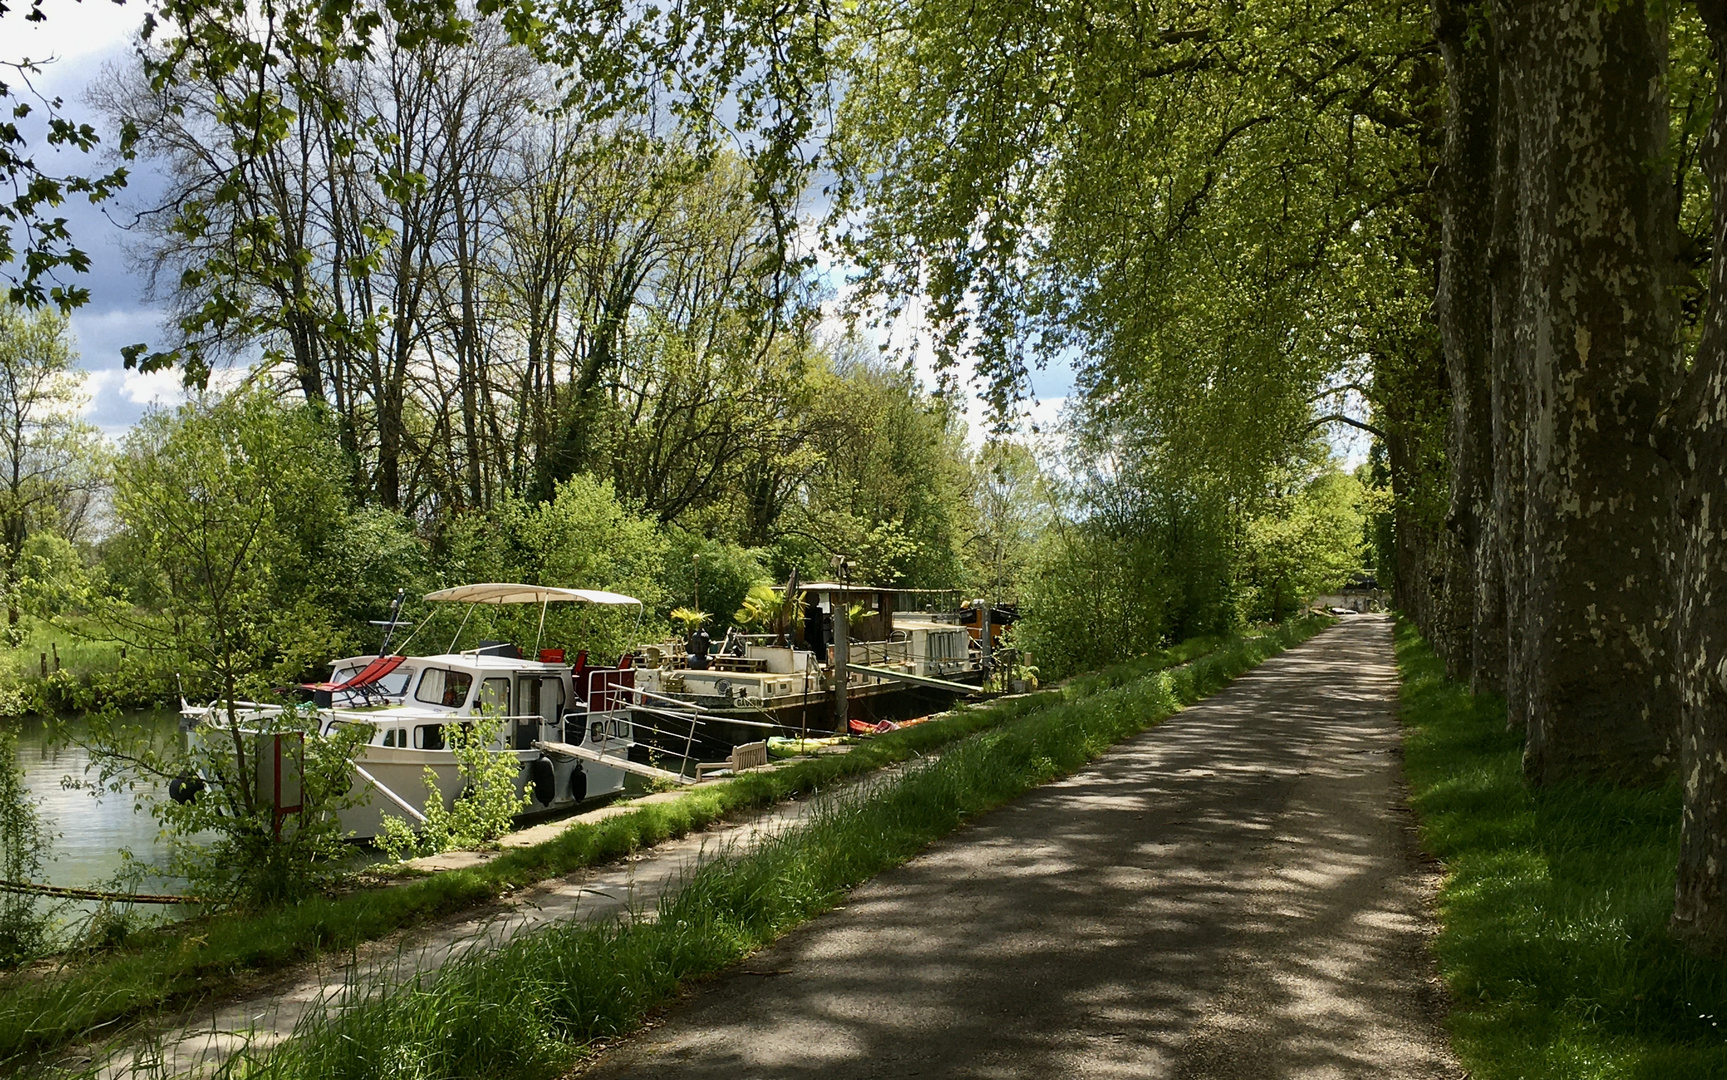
(1700, 427)
(1465, 317)
(1597, 316)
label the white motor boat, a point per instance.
(566, 723)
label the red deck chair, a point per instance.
(364, 681)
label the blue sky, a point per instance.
(73, 45)
(82, 38)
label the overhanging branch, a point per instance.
(1339, 418)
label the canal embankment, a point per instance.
(1026, 742)
(220, 956)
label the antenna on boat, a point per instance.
(390, 624)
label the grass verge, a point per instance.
(201, 957)
(527, 1011)
(1555, 907)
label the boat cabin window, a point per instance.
(440, 686)
(494, 697)
(396, 737)
(429, 737)
(367, 729)
(601, 730)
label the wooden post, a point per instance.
(55, 645)
(842, 668)
(44, 665)
(983, 642)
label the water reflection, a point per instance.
(89, 829)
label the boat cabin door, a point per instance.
(540, 703)
(495, 700)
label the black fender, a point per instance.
(544, 779)
(578, 784)
(185, 788)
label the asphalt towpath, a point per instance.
(1235, 893)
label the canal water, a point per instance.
(89, 828)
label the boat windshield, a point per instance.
(395, 684)
(441, 686)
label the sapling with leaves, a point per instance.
(490, 799)
(229, 500)
(25, 849)
(229, 833)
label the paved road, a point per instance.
(1234, 893)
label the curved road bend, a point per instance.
(1234, 893)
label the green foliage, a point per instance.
(229, 843)
(489, 801)
(1305, 540)
(720, 571)
(51, 460)
(889, 489)
(584, 537)
(92, 672)
(484, 810)
(25, 849)
(1160, 207)
(689, 620)
(361, 565)
(766, 607)
(229, 502)
(1144, 548)
(1011, 506)
(1556, 903)
(50, 574)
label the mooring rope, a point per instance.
(96, 894)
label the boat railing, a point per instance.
(606, 689)
(879, 653)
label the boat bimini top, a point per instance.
(503, 592)
(508, 593)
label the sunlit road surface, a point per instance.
(1235, 893)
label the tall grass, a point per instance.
(1555, 907)
(58, 670)
(526, 1012)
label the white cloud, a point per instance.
(71, 30)
(155, 388)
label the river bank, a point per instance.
(526, 1005)
(56, 671)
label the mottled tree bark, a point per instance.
(1596, 258)
(1700, 426)
(1464, 305)
(1415, 404)
(1510, 357)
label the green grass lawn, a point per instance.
(77, 654)
(58, 670)
(1554, 911)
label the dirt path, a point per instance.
(1235, 893)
